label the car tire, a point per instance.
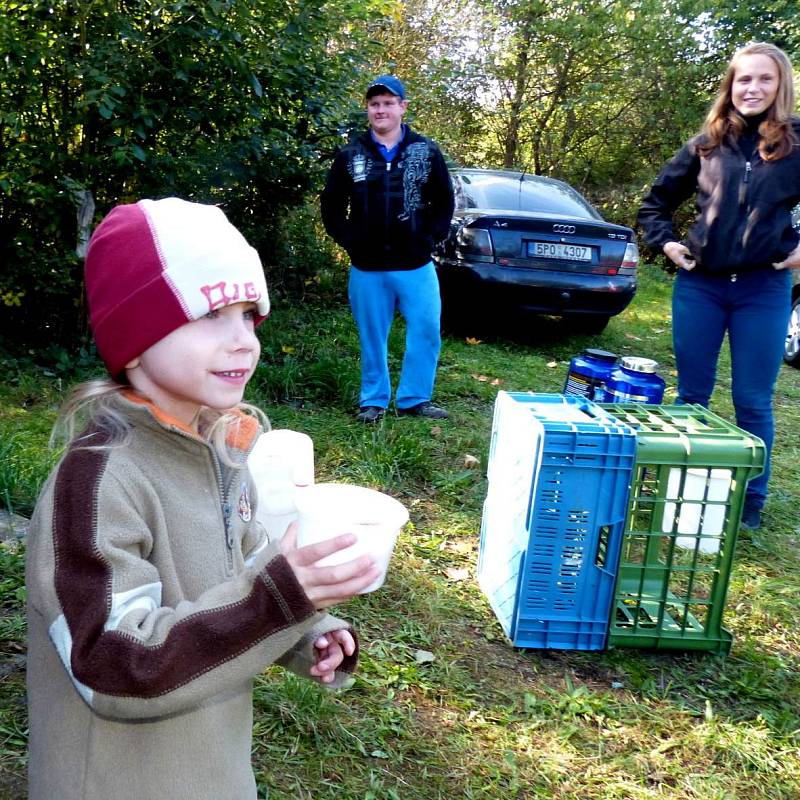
(791, 349)
(588, 323)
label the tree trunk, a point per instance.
(522, 58)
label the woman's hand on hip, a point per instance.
(679, 254)
(792, 261)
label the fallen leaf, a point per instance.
(496, 382)
(552, 364)
(288, 349)
(424, 657)
(436, 431)
(457, 575)
(470, 462)
(481, 378)
(631, 336)
(471, 340)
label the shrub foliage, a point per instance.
(104, 102)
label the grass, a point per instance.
(442, 706)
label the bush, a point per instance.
(308, 264)
(219, 102)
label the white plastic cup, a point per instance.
(282, 466)
(327, 510)
(292, 450)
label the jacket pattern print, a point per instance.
(388, 215)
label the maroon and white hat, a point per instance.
(155, 265)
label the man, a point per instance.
(388, 200)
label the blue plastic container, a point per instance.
(588, 373)
(559, 475)
(635, 380)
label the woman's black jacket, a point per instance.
(744, 206)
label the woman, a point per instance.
(744, 170)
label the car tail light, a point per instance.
(630, 260)
(474, 242)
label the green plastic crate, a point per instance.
(678, 544)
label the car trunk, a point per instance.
(565, 245)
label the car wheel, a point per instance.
(588, 323)
(791, 349)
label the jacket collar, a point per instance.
(241, 434)
(409, 136)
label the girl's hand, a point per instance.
(680, 255)
(327, 586)
(330, 650)
(792, 261)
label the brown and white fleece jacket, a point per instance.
(154, 598)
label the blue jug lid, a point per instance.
(600, 355)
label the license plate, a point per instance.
(566, 252)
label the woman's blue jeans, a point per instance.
(374, 299)
(753, 307)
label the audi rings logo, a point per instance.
(563, 229)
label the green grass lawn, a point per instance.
(443, 706)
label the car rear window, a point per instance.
(511, 194)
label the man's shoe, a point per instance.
(751, 519)
(370, 414)
(426, 409)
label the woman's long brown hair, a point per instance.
(777, 135)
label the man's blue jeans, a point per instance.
(374, 298)
(754, 310)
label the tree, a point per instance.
(736, 23)
(213, 100)
(597, 92)
(432, 46)
(582, 86)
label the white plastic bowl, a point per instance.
(326, 510)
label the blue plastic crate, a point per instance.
(559, 474)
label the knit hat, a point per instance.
(155, 265)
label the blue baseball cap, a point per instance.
(390, 84)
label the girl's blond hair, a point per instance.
(98, 404)
(777, 135)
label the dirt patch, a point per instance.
(12, 787)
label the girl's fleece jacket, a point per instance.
(154, 598)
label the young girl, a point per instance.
(154, 597)
(744, 170)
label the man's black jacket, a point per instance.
(388, 215)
